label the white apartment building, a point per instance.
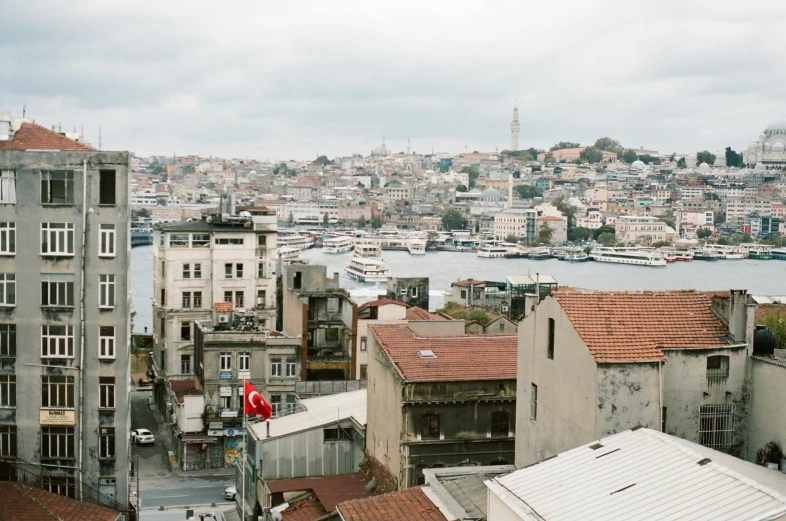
(698, 219)
(311, 212)
(693, 192)
(229, 258)
(738, 208)
(593, 220)
(640, 229)
(518, 222)
(398, 192)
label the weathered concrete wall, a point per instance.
(767, 416)
(627, 396)
(413, 291)
(567, 402)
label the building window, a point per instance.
(291, 405)
(338, 434)
(197, 271)
(62, 485)
(238, 271)
(57, 289)
(7, 238)
(186, 271)
(197, 300)
(275, 367)
(57, 442)
(414, 292)
(57, 392)
(663, 419)
(291, 367)
(226, 361)
(186, 304)
(163, 270)
(331, 334)
(239, 299)
(200, 240)
(363, 343)
(7, 186)
(106, 291)
(716, 426)
(297, 281)
(275, 403)
(228, 296)
(463, 294)
(8, 441)
(244, 362)
(106, 342)
(57, 341)
(261, 240)
(178, 240)
(233, 241)
(163, 297)
(717, 367)
(501, 326)
(106, 187)
(261, 298)
(533, 402)
(550, 352)
(429, 427)
(500, 423)
(57, 187)
(226, 402)
(185, 364)
(107, 240)
(228, 270)
(106, 392)
(57, 239)
(8, 340)
(261, 270)
(7, 390)
(185, 331)
(363, 371)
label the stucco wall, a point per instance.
(627, 396)
(499, 511)
(767, 418)
(567, 401)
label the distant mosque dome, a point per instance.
(381, 150)
(490, 194)
(778, 147)
(760, 166)
(778, 125)
(637, 164)
(704, 168)
(767, 147)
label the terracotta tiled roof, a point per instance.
(31, 504)
(465, 283)
(329, 490)
(380, 302)
(407, 505)
(223, 307)
(306, 510)
(634, 326)
(421, 314)
(458, 357)
(35, 137)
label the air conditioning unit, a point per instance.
(504, 309)
(223, 319)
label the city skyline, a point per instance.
(276, 83)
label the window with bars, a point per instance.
(106, 392)
(106, 443)
(8, 186)
(57, 341)
(106, 341)
(717, 367)
(429, 427)
(57, 392)
(500, 423)
(57, 187)
(106, 240)
(8, 340)
(716, 426)
(106, 292)
(7, 238)
(57, 289)
(7, 390)
(57, 442)
(62, 485)
(7, 289)
(57, 239)
(8, 441)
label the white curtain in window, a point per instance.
(8, 186)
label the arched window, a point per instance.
(500, 423)
(429, 427)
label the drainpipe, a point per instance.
(82, 324)
(660, 392)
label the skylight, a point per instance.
(426, 353)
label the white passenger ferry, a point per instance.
(338, 244)
(492, 250)
(294, 241)
(368, 247)
(367, 269)
(636, 256)
(727, 252)
(416, 246)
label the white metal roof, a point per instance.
(641, 475)
(319, 411)
(522, 280)
(769, 299)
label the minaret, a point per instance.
(407, 145)
(514, 129)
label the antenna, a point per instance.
(24, 109)
(99, 137)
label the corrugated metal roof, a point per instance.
(319, 411)
(643, 474)
(526, 280)
(769, 299)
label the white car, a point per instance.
(142, 437)
(230, 493)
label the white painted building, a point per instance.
(640, 229)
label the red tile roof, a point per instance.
(31, 504)
(307, 510)
(380, 302)
(421, 314)
(223, 307)
(619, 326)
(408, 505)
(329, 490)
(459, 357)
(35, 137)
(465, 283)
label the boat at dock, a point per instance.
(763, 253)
(779, 253)
(492, 250)
(338, 244)
(540, 254)
(635, 256)
(416, 246)
(578, 256)
(367, 269)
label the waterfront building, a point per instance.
(770, 147)
(64, 230)
(516, 221)
(558, 226)
(640, 229)
(739, 208)
(225, 257)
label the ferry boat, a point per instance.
(576, 256)
(669, 254)
(760, 253)
(779, 253)
(366, 269)
(416, 246)
(705, 255)
(684, 255)
(338, 244)
(294, 241)
(636, 256)
(492, 250)
(540, 254)
(726, 252)
(368, 247)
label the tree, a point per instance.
(681, 163)
(742, 238)
(548, 158)
(524, 155)
(472, 173)
(649, 160)
(703, 233)
(528, 192)
(290, 219)
(564, 144)
(607, 239)
(608, 144)
(660, 244)
(361, 223)
(733, 158)
(325, 219)
(591, 155)
(567, 210)
(142, 212)
(512, 238)
(711, 196)
(629, 156)
(579, 234)
(597, 232)
(323, 160)
(705, 157)
(376, 222)
(544, 234)
(723, 241)
(533, 152)
(453, 220)
(461, 188)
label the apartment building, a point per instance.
(64, 313)
(640, 229)
(225, 257)
(518, 222)
(738, 208)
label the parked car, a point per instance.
(142, 437)
(230, 493)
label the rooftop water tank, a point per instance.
(763, 341)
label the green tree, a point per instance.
(775, 321)
(472, 173)
(566, 209)
(703, 233)
(603, 229)
(742, 238)
(528, 192)
(650, 160)
(660, 244)
(607, 239)
(361, 223)
(591, 155)
(453, 220)
(629, 156)
(290, 219)
(564, 144)
(705, 157)
(608, 144)
(524, 155)
(461, 188)
(548, 158)
(711, 196)
(323, 160)
(142, 212)
(325, 219)
(733, 158)
(544, 235)
(376, 222)
(579, 234)
(681, 163)
(512, 238)
(723, 241)
(533, 152)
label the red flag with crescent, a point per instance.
(255, 403)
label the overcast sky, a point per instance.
(277, 80)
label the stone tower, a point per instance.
(515, 126)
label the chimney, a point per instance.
(738, 314)
(5, 126)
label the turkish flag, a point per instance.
(255, 403)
